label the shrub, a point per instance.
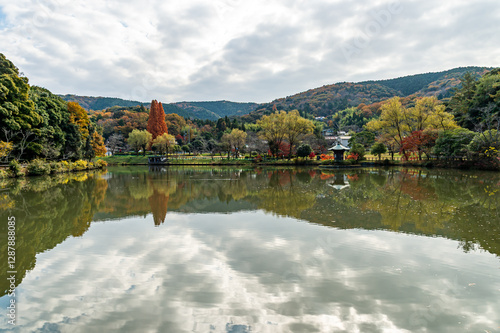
(80, 165)
(325, 157)
(38, 167)
(304, 150)
(15, 168)
(359, 150)
(100, 164)
(65, 166)
(56, 167)
(4, 174)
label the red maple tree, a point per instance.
(417, 143)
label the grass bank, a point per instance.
(204, 160)
(39, 167)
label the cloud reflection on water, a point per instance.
(206, 273)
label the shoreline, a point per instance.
(482, 165)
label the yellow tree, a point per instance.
(443, 120)
(238, 138)
(429, 113)
(5, 150)
(164, 142)
(420, 115)
(79, 117)
(296, 127)
(393, 121)
(98, 145)
(234, 140)
(273, 130)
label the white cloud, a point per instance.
(239, 50)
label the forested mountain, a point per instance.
(99, 103)
(197, 110)
(431, 84)
(215, 110)
(330, 99)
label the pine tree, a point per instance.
(156, 121)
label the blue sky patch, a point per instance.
(3, 18)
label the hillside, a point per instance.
(99, 103)
(430, 84)
(199, 110)
(217, 109)
(330, 99)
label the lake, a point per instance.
(201, 249)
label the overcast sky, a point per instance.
(259, 50)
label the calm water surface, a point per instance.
(254, 250)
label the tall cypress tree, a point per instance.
(156, 121)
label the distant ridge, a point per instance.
(329, 99)
(211, 110)
(411, 84)
(100, 103)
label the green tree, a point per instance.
(55, 115)
(357, 148)
(17, 110)
(453, 143)
(485, 145)
(366, 138)
(89, 153)
(378, 149)
(185, 148)
(474, 97)
(139, 140)
(304, 150)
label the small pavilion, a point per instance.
(338, 152)
(157, 160)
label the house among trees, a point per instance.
(342, 139)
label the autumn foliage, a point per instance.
(417, 143)
(79, 117)
(156, 121)
(325, 157)
(98, 145)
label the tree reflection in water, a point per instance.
(455, 204)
